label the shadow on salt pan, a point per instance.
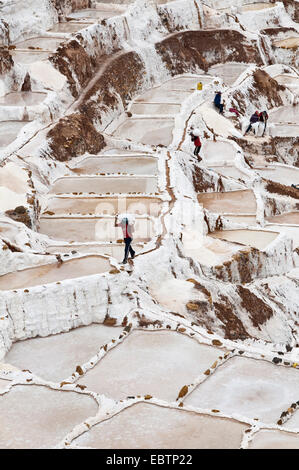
(146, 426)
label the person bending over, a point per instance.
(254, 118)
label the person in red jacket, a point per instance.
(128, 230)
(196, 140)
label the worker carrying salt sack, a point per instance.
(217, 102)
(194, 134)
(127, 226)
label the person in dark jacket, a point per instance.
(254, 118)
(194, 134)
(217, 102)
(128, 230)
(263, 117)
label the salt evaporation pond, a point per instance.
(54, 272)
(257, 6)
(29, 57)
(287, 80)
(116, 250)
(92, 229)
(255, 389)
(22, 98)
(230, 172)
(259, 239)
(138, 165)
(290, 130)
(291, 232)
(287, 114)
(287, 218)
(280, 174)
(288, 43)
(157, 363)
(185, 83)
(93, 13)
(228, 72)
(230, 202)
(207, 250)
(67, 351)
(160, 95)
(272, 439)
(146, 426)
(34, 417)
(69, 27)
(40, 43)
(108, 206)
(218, 152)
(9, 131)
(104, 185)
(155, 109)
(148, 131)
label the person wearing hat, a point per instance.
(128, 230)
(217, 102)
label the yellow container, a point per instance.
(199, 86)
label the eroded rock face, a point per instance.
(6, 62)
(291, 7)
(190, 50)
(277, 149)
(73, 136)
(20, 214)
(261, 86)
(64, 7)
(113, 85)
(73, 61)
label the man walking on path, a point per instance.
(196, 140)
(128, 230)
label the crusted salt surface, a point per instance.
(150, 363)
(44, 416)
(151, 290)
(67, 351)
(146, 426)
(268, 439)
(254, 389)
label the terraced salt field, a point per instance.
(191, 342)
(231, 202)
(9, 131)
(54, 272)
